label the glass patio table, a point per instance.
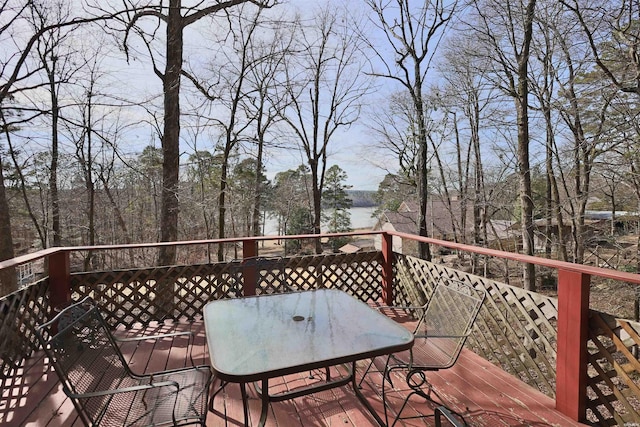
(254, 339)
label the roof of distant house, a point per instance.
(441, 218)
(403, 222)
(350, 248)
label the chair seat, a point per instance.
(428, 354)
(156, 406)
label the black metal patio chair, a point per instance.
(105, 392)
(444, 323)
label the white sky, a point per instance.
(135, 80)
(350, 150)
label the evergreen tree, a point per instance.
(392, 191)
(336, 205)
(290, 203)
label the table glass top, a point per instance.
(256, 337)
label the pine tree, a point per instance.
(336, 205)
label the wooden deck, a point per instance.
(483, 394)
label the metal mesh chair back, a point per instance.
(446, 323)
(84, 356)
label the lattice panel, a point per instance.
(515, 329)
(140, 296)
(614, 371)
(20, 312)
(270, 274)
(358, 274)
(132, 296)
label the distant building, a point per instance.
(443, 222)
(350, 248)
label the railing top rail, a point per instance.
(49, 251)
(560, 265)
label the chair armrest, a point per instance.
(114, 391)
(151, 337)
(159, 336)
(401, 307)
(441, 411)
(427, 336)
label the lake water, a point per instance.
(360, 218)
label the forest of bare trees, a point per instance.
(160, 120)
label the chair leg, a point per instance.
(418, 386)
(387, 377)
(443, 411)
(366, 371)
(245, 403)
(417, 382)
(223, 384)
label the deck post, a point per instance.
(59, 279)
(249, 271)
(387, 268)
(573, 331)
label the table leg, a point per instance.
(265, 402)
(363, 399)
(245, 403)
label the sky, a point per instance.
(350, 149)
(134, 80)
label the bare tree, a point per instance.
(8, 279)
(265, 101)
(412, 31)
(613, 36)
(14, 72)
(231, 93)
(467, 95)
(547, 49)
(203, 177)
(393, 128)
(325, 85)
(584, 112)
(57, 64)
(506, 31)
(176, 18)
(93, 124)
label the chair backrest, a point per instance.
(270, 274)
(84, 355)
(446, 323)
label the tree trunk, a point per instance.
(526, 199)
(8, 279)
(171, 135)
(90, 186)
(170, 156)
(524, 169)
(423, 172)
(222, 207)
(255, 219)
(53, 177)
(317, 206)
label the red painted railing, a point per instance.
(573, 326)
(573, 296)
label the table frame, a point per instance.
(263, 377)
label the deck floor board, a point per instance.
(482, 393)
